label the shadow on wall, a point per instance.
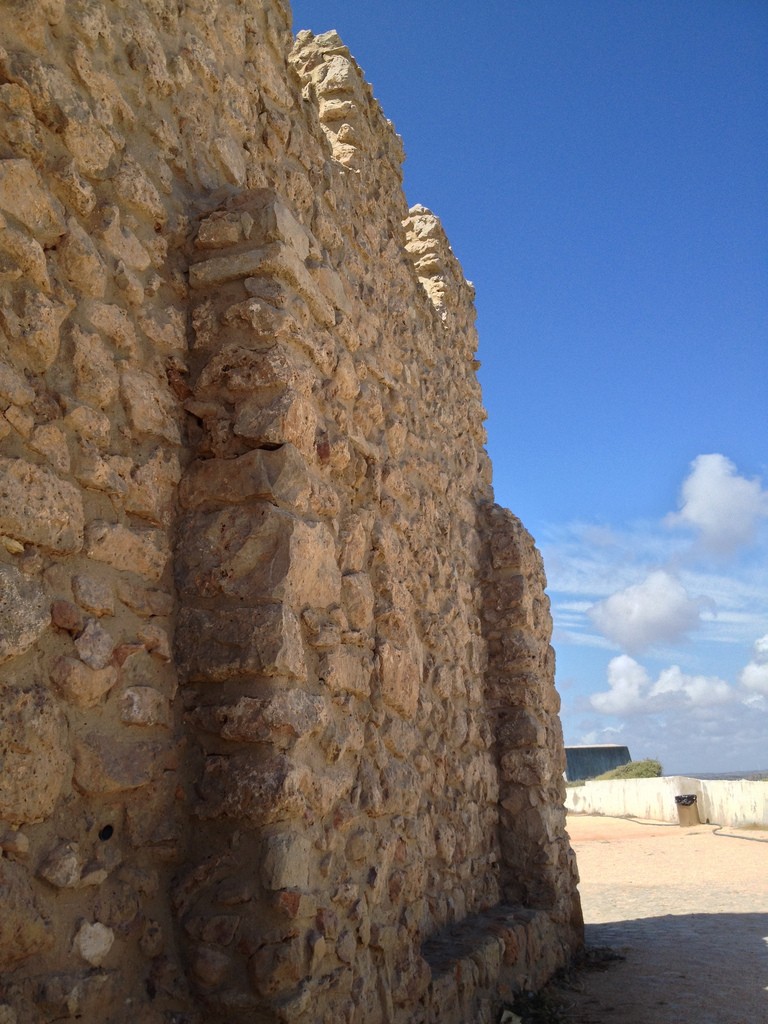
(707, 968)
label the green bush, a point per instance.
(648, 769)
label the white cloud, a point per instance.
(627, 681)
(632, 692)
(700, 691)
(657, 611)
(724, 507)
(754, 676)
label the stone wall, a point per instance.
(278, 729)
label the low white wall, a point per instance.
(719, 802)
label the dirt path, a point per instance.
(688, 908)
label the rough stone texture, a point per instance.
(278, 731)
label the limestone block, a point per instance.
(152, 814)
(63, 866)
(37, 507)
(347, 670)
(149, 405)
(519, 728)
(353, 545)
(265, 320)
(23, 257)
(400, 678)
(135, 188)
(156, 640)
(24, 612)
(285, 861)
(93, 942)
(357, 599)
(122, 242)
(104, 765)
(23, 196)
(98, 473)
(216, 645)
(288, 418)
(276, 260)
(96, 376)
(253, 792)
(145, 601)
(50, 441)
(13, 387)
(278, 476)
(95, 645)
(152, 487)
(144, 705)
(93, 594)
(115, 323)
(80, 685)
(33, 322)
(80, 260)
(144, 552)
(281, 719)
(264, 219)
(90, 426)
(78, 192)
(258, 553)
(236, 373)
(22, 421)
(33, 747)
(232, 158)
(24, 930)
(165, 328)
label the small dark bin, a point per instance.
(687, 811)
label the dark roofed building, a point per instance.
(588, 762)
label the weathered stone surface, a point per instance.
(36, 507)
(150, 407)
(285, 862)
(24, 931)
(348, 670)
(80, 685)
(24, 612)
(213, 646)
(259, 553)
(81, 262)
(400, 675)
(281, 719)
(33, 321)
(287, 419)
(23, 196)
(103, 766)
(144, 552)
(93, 594)
(358, 599)
(143, 705)
(63, 866)
(95, 645)
(243, 789)
(152, 487)
(279, 476)
(237, 373)
(32, 753)
(144, 601)
(96, 373)
(13, 387)
(93, 942)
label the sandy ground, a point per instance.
(687, 907)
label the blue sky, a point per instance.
(601, 171)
